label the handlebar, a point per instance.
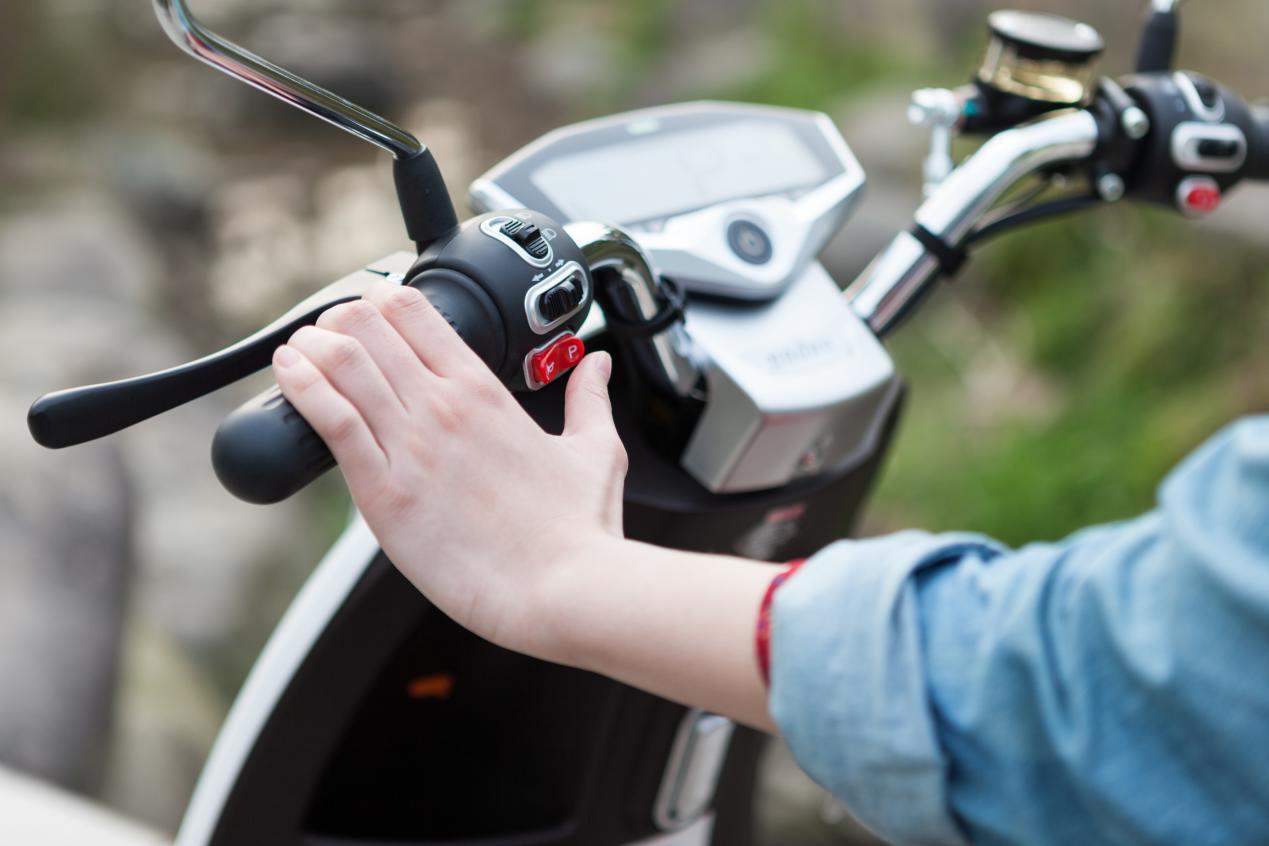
(1258, 144)
(896, 279)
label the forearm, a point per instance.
(678, 624)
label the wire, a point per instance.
(1052, 208)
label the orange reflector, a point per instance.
(436, 686)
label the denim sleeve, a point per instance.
(1112, 688)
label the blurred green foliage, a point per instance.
(1149, 334)
(814, 57)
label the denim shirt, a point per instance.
(1111, 688)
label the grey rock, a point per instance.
(136, 521)
(67, 564)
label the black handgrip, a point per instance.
(1157, 50)
(1257, 166)
(265, 451)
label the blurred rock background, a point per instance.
(151, 210)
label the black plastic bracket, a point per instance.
(950, 258)
(425, 204)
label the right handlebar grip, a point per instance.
(265, 451)
(1258, 146)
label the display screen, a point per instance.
(665, 174)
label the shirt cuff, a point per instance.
(848, 681)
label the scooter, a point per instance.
(754, 398)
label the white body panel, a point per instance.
(291, 641)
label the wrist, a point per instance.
(570, 593)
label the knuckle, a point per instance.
(599, 392)
(487, 393)
(303, 337)
(329, 319)
(345, 352)
(447, 414)
(405, 301)
(617, 454)
(343, 426)
(301, 379)
(348, 316)
(397, 500)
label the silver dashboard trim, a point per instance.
(692, 247)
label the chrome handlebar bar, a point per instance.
(664, 357)
(191, 36)
(895, 279)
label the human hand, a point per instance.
(449, 471)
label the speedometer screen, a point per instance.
(668, 173)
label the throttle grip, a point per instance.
(265, 451)
(1258, 147)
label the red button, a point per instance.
(1200, 195)
(562, 354)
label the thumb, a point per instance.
(587, 408)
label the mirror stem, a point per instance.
(425, 203)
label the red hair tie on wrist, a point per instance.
(762, 635)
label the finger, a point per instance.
(333, 417)
(406, 374)
(427, 332)
(587, 407)
(351, 371)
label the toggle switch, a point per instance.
(559, 301)
(528, 236)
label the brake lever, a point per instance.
(76, 415)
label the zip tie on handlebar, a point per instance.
(671, 312)
(950, 259)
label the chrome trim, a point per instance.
(1001, 163)
(1187, 185)
(664, 357)
(1190, 92)
(940, 110)
(1185, 144)
(692, 770)
(897, 276)
(187, 33)
(537, 322)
